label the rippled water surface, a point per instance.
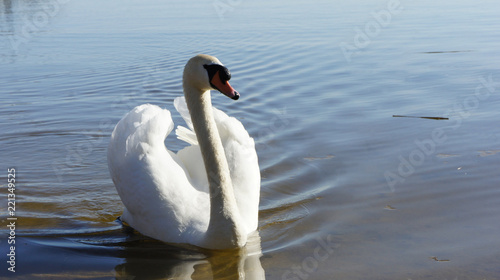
(348, 190)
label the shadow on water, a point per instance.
(134, 256)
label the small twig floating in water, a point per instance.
(430, 118)
(438, 260)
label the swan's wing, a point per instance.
(240, 152)
(152, 182)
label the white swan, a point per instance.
(207, 197)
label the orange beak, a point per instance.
(224, 88)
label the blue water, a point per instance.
(348, 190)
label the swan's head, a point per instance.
(206, 72)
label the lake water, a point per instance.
(348, 190)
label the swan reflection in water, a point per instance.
(151, 259)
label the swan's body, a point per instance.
(169, 196)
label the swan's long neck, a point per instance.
(225, 226)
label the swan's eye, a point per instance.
(225, 75)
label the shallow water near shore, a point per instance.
(348, 190)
